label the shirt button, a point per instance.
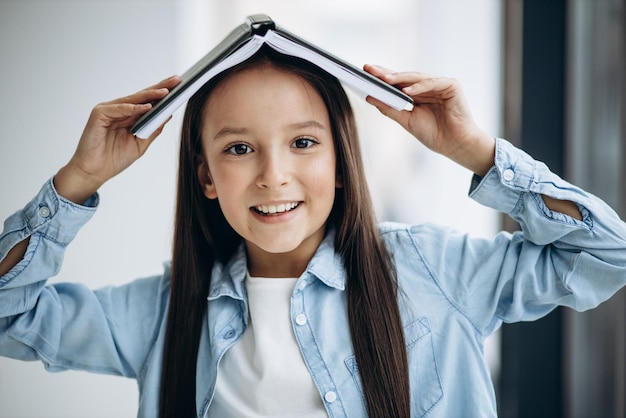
(301, 319)
(44, 211)
(302, 285)
(330, 396)
(508, 174)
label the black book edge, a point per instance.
(237, 37)
(254, 25)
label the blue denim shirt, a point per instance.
(454, 291)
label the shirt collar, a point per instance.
(228, 280)
(326, 265)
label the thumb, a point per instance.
(387, 110)
(148, 141)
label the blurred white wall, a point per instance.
(61, 57)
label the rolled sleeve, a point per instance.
(555, 259)
(56, 217)
(67, 325)
(51, 222)
(514, 185)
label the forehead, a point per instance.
(264, 93)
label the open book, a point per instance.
(241, 44)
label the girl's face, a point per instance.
(269, 158)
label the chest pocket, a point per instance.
(426, 388)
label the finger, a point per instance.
(407, 79)
(168, 83)
(152, 93)
(158, 131)
(144, 144)
(424, 86)
(399, 80)
(120, 110)
(383, 73)
(117, 115)
(377, 70)
(142, 96)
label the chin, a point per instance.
(274, 248)
(278, 244)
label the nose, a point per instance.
(274, 170)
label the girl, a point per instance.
(283, 296)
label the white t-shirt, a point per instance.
(263, 374)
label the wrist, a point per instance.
(74, 185)
(478, 155)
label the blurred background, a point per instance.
(547, 75)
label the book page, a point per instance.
(362, 86)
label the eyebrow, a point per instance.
(308, 124)
(244, 131)
(231, 131)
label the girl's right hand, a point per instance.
(106, 147)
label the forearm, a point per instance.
(565, 207)
(15, 255)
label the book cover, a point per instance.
(243, 42)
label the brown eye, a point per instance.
(238, 149)
(304, 142)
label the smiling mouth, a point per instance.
(275, 209)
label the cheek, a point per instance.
(324, 179)
(229, 184)
(223, 175)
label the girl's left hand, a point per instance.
(441, 118)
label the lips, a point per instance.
(276, 209)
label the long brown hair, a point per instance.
(202, 237)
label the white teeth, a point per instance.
(271, 209)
